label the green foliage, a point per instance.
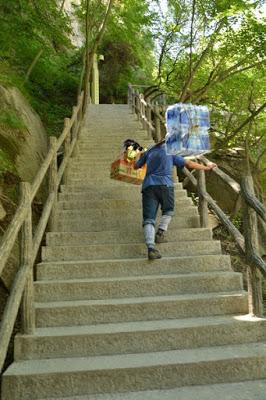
(5, 163)
(38, 29)
(237, 220)
(214, 54)
(9, 118)
(127, 46)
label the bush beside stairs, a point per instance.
(112, 325)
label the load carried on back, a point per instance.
(187, 129)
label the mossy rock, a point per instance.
(23, 144)
(23, 140)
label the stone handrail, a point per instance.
(248, 244)
(21, 293)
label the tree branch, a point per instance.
(220, 78)
(34, 62)
(247, 120)
(260, 157)
(201, 59)
(90, 55)
(191, 36)
(62, 6)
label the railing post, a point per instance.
(143, 111)
(157, 123)
(203, 204)
(254, 277)
(74, 129)
(27, 305)
(66, 148)
(149, 119)
(138, 105)
(129, 96)
(52, 185)
(133, 105)
(79, 114)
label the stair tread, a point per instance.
(140, 300)
(248, 390)
(181, 243)
(129, 361)
(123, 231)
(143, 326)
(140, 278)
(100, 339)
(130, 260)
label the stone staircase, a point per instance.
(112, 325)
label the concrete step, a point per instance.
(111, 185)
(109, 129)
(88, 162)
(110, 204)
(117, 212)
(101, 148)
(105, 181)
(88, 224)
(99, 154)
(127, 250)
(129, 287)
(125, 192)
(123, 186)
(89, 159)
(96, 155)
(123, 236)
(249, 390)
(89, 168)
(112, 141)
(88, 173)
(131, 267)
(87, 312)
(134, 372)
(100, 157)
(138, 337)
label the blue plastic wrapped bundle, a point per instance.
(187, 129)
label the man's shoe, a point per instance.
(154, 254)
(160, 237)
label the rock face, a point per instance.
(25, 145)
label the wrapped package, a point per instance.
(187, 129)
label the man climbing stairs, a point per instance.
(112, 325)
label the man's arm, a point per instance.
(138, 156)
(194, 165)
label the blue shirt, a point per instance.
(159, 166)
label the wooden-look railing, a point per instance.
(21, 293)
(152, 118)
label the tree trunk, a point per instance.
(34, 62)
(90, 54)
(82, 73)
(62, 6)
